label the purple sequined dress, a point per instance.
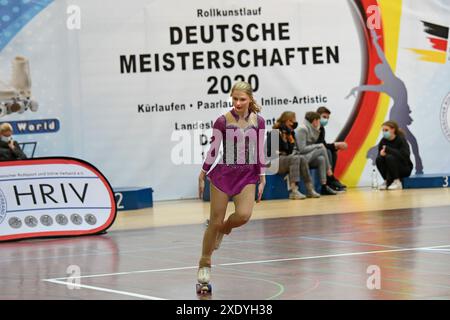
(243, 152)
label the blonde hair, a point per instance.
(247, 88)
(285, 116)
(5, 127)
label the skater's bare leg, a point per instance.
(372, 154)
(243, 203)
(219, 202)
(415, 148)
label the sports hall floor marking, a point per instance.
(126, 293)
(60, 282)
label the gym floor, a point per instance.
(312, 249)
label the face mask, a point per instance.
(387, 135)
(295, 125)
(6, 139)
(323, 122)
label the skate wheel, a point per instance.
(15, 107)
(23, 107)
(34, 106)
(204, 289)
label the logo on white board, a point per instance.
(3, 207)
(445, 117)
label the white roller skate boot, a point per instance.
(203, 278)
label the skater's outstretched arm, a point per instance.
(380, 52)
(374, 88)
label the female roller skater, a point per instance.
(241, 131)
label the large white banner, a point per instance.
(124, 81)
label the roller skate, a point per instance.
(15, 96)
(203, 276)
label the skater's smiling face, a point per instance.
(241, 101)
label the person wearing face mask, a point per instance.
(289, 159)
(332, 148)
(393, 161)
(314, 152)
(9, 149)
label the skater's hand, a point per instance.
(352, 93)
(201, 184)
(383, 152)
(262, 184)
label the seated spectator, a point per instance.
(332, 148)
(393, 161)
(315, 153)
(289, 159)
(9, 149)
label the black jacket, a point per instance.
(321, 139)
(399, 148)
(6, 154)
(286, 138)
